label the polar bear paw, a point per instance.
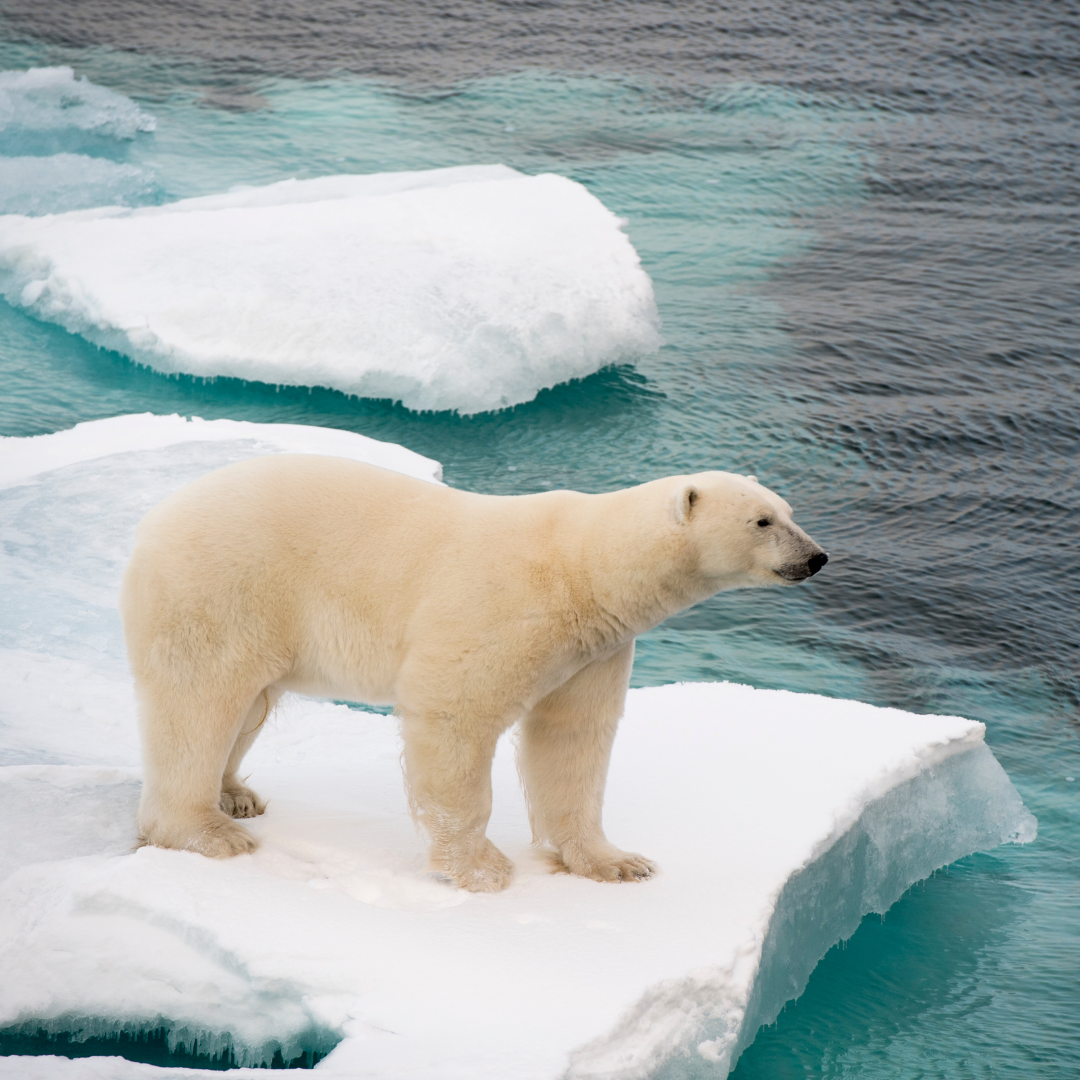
(211, 834)
(610, 865)
(239, 801)
(490, 871)
(222, 839)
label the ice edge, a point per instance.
(25, 458)
(960, 801)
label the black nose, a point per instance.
(816, 562)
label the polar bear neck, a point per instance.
(628, 572)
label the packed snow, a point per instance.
(468, 289)
(777, 819)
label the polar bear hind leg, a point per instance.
(188, 741)
(563, 757)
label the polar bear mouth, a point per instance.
(793, 574)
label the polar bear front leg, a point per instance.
(448, 776)
(563, 760)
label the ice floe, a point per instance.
(778, 820)
(58, 138)
(467, 288)
(50, 105)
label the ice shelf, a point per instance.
(778, 821)
(469, 288)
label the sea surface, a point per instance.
(862, 220)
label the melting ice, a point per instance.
(50, 107)
(56, 135)
(778, 820)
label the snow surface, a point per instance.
(467, 288)
(778, 820)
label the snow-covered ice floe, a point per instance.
(469, 288)
(778, 820)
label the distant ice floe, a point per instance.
(467, 289)
(51, 100)
(51, 127)
(778, 820)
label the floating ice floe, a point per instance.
(51, 125)
(467, 288)
(51, 102)
(778, 820)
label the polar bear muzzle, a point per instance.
(800, 571)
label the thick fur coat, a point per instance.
(468, 613)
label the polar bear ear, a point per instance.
(749, 477)
(683, 502)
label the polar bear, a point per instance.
(468, 613)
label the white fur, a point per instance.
(469, 613)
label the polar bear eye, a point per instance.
(764, 522)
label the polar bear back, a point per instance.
(343, 570)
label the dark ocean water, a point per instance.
(863, 225)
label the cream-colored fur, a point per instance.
(469, 613)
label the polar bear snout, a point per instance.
(800, 571)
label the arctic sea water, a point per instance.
(864, 259)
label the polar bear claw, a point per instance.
(612, 866)
(241, 802)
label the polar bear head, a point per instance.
(738, 533)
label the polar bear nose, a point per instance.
(816, 562)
